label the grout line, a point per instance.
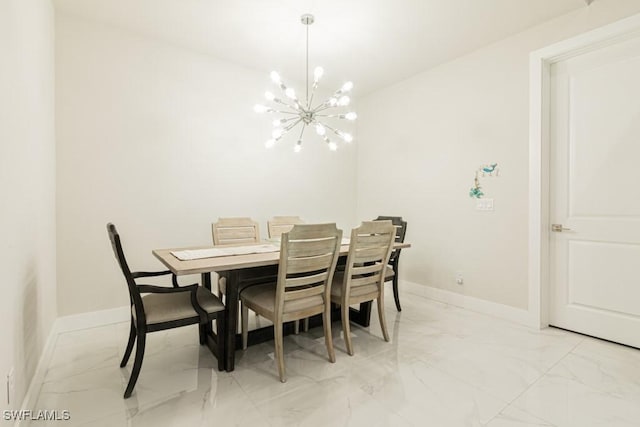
(544, 374)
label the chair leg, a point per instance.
(220, 340)
(383, 321)
(296, 327)
(203, 334)
(305, 324)
(328, 339)
(396, 297)
(137, 364)
(279, 341)
(132, 340)
(245, 325)
(346, 328)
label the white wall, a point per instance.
(27, 179)
(162, 141)
(436, 129)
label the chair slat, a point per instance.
(309, 264)
(313, 279)
(308, 248)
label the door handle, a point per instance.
(558, 228)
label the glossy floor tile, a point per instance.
(444, 366)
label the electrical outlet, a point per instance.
(485, 205)
(11, 385)
(459, 278)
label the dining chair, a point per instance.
(235, 231)
(308, 257)
(276, 226)
(282, 224)
(163, 307)
(364, 275)
(392, 273)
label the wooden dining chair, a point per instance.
(364, 275)
(276, 226)
(235, 231)
(308, 257)
(163, 307)
(392, 273)
(282, 224)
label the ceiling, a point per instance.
(373, 42)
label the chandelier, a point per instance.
(294, 111)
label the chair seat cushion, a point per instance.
(160, 308)
(388, 273)
(336, 288)
(262, 298)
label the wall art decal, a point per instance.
(490, 170)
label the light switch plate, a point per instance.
(485, 205)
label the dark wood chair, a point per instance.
(166, 307)
(401, 230)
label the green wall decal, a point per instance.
(490, 170)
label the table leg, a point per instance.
(363, 315)
(206, 280)
(231, 301)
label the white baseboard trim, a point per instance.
(512, 314)
(67, 324)
(92, 319)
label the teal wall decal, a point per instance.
(490, 170)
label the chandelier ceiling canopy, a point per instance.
(293, 111)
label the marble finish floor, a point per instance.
(445, 366)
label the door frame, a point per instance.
(540, 63)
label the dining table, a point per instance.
(242, 266)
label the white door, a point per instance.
(595, 192)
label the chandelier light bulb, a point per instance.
(344, 101)
(277, 133)
(290, 93)
(320, 129)
(333, 146)
(277, 122)
(347, 87)
(333, 102)
(270, 143)
(346, 136)
(351, 116)
(275, 77)
(298, 147)
(317, 74)
(269, 96)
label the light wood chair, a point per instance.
(282, 224)
(235, 231)
(308, 257)
(364, 275)
(163, 307)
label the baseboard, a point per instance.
(67, 324)
(93, 319)
(478, 305)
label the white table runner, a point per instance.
(191, 254)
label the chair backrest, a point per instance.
(282, 224)
(308, 257)
(401, 231)
(370, 247)
(134, 293)
(235, 231)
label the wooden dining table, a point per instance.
(241, 270)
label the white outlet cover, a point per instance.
(485, 205)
